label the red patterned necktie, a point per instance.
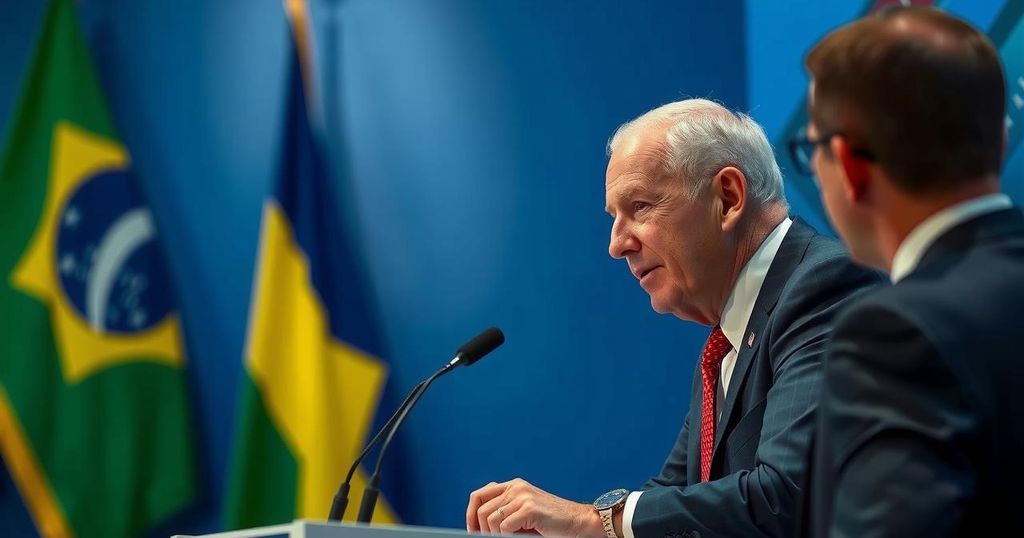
(715, 349)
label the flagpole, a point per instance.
(297, 12)
(331, 93)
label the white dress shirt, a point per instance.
(909, 253)
(735, 316)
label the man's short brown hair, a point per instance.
(920, 90)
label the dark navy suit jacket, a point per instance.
(760, 453)
(922, 420)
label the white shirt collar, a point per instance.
(910, 251)
(744, 293)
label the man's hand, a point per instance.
(517, 506)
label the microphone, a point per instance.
(470, 352)
(480, 345)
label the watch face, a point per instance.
(610, 499)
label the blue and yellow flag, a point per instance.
(312, 384)
(93, 411)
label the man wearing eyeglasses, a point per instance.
(920, 430)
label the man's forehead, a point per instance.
(637, 155)
(626, 185)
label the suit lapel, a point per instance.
(789, 255)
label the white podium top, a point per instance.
(322, 529)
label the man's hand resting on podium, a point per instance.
(517, 506)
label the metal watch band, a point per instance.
(607, 522)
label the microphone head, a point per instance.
(480, 345)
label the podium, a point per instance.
(304, 528)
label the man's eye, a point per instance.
(640, 206)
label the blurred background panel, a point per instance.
(468, 142)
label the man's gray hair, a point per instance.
(702, 138)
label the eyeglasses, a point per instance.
(802, 146)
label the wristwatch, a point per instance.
(606, 506)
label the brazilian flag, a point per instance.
(312, 380)
(93, 417)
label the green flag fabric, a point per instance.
(94, 422)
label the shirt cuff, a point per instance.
(627, 514)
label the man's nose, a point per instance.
(622, 241)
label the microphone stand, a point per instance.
(372, 490)
(469, 353)
(340, 502)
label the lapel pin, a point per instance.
(750, 341)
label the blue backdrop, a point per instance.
(470, 141)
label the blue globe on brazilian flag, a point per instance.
(94, 260)
(93, 412)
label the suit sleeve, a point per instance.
(893, 429)
(762, 501)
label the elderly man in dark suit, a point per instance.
(921, 428)
(699, 215)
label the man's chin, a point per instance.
(660, 305)
(674, 308)
(859, 244)
(654, 307)
(862, 254)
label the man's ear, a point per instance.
(856, 175)
(730, 185)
